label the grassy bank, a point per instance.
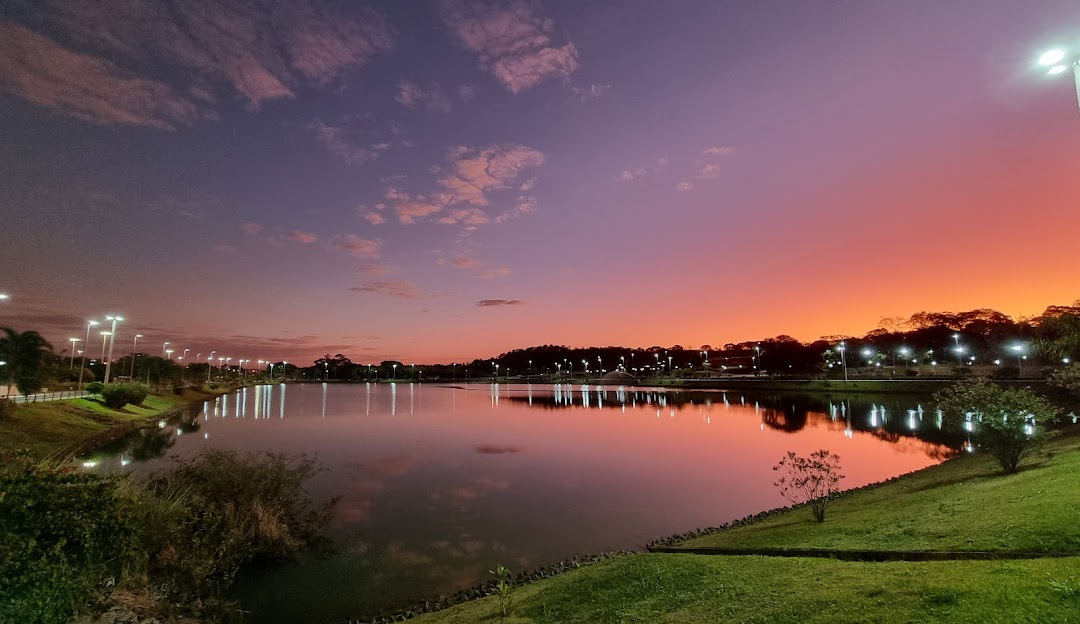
(63, 426)
(964, 504)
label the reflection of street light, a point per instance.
(1058, 61)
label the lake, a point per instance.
(440, 484)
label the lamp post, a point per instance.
(210, 365)
(670, 370)
(133, 346)
(112, 340)
(1057, 61)
(1019, 348)
(842, 348)
(164, 346)
(82, 367)
(184, 356)
(73, 342)
(104, 341)
(394, 378)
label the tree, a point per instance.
(814, 480)
(1005, 422)
(1067, 378)
(26, 355)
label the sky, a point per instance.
(448, 180)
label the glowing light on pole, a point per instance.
(842, 348)
(1019, 348)
(1058, 61)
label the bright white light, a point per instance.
(89, 464)
(1051, 57)
(1057, 69)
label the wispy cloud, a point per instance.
(391, 288)
(432, 97)
(258, 51)
(706, 167)
(347, 141)
(251, 229)
(494, 272)
(591, 92)
(492, 303)
(465, 263)
(304, 238)
(357, 246)
(629, 175)
(511, 41)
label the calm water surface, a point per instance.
(440, 484)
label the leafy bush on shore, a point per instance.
(70, 538)
(118, 395)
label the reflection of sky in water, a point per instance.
(440, 484)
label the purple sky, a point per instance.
(437, 181)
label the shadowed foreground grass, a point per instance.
(690, 589)
(964, 504)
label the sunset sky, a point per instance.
(440, 181)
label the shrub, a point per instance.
(95, 387)
(117, 396)
(178, 390)
(814, 479)
(6, 409)
(64, 532)
(1004, 422)
(503, 587)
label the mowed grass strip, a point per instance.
(46, 428)
(965, 504)
(695, 589)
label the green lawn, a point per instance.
(691, 589)
(47, 428)
(965, 504)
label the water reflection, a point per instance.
(435, 495)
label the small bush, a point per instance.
(95, 387)
(117, 396)
(911, 372)
(814, 480)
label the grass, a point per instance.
(964, 504)
(690, 589)
(50, 427)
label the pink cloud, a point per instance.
(361, 247)
(511, 41)
(591, 92)
(374, 218)
(466, 263)
(301, 237)
(392, 288)
(95, 90)
(684, 186)
(492, 303)
(251, 229)
(474, 171)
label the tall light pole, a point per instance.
(82, 367)
(1058, 61)
(1019, 348)
(134, 345)
(842, 348)
(73, 342)
(104, 341)
(394, 378)
(184, 356)
(112, 340)
(210, 365)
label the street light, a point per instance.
(842, 348)
(1019, 348)
(1058, 61)
(133, 345)
(82, 367)
(71, 365)
(394, 378)
(4, 296)
(165, 346)
(112, 340)
(104, 341)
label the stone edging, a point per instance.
(484, 590)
